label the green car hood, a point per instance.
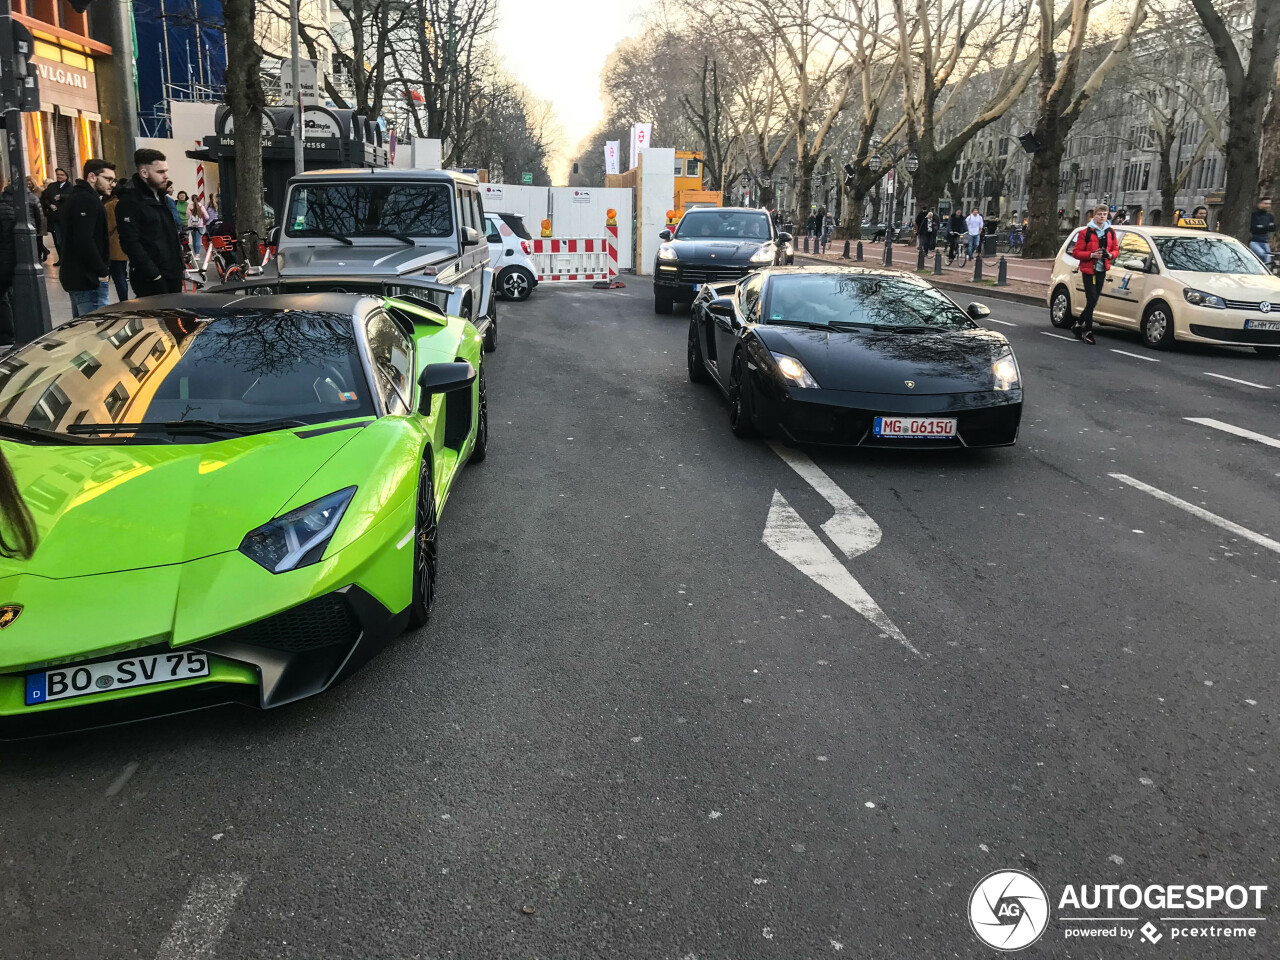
(102, 509)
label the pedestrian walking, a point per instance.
(1262, 223)
(37, 218)
(148, 231)
(119, 262)
(1095, 247)
(973, 225)
(86, 267)
(195, 224)
(930, 231)
(55, 194)
(8, 260)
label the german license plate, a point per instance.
(1262, 324)
(932, 428)
(80, 680)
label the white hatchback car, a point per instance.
(510, 248)
(1176, 284)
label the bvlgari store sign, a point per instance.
(66, 86)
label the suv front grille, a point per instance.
(702, 273)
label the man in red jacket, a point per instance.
(1095, 248)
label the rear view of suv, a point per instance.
(510, 250)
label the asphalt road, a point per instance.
(635, 729)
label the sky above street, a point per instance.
(557, 49)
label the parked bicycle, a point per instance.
(226, 260)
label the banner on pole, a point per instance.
(611, 156)
(641, 134)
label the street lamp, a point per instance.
(913, 163)
(874, 163)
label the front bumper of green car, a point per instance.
(285, 636)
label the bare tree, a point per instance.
(1248, 86)
(1059, 105)
(709, 117)
(247, 100)
(1269, 176)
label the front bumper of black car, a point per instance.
(684, 278)
(297, 653)
(842, 418)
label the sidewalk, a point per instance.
(1028, 279)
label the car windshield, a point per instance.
(1207, 255)
(714, 224)
(848, 299)
(166, 368)
(371, 210)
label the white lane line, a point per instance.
(1247, 383)
(1056, 336)
(118, 784)
(1003, 323)
(850, 528)
(1136, 356)
(1200, 512)
(1235, 431)
(787, 535)
(203, 918)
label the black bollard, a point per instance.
(806, 244)
(977, 268)
(859, 251)
(1002, 273)
(845, 255)
(888, 252)
(937, 263)
(920, 259)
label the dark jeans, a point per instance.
(151, 288)
(120, 277)
(1092, 290)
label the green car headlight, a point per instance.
(297, 538)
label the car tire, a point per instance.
(515, 283)
(480, 449)
(663, 302)
(1060, 309)
(425, 550)
(491, 335)
(1268, 351)
(1157, 326)
(697, 368)
(741, 420)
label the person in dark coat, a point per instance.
(86, 266)
(55, 194)
(148, 233)
(8, 259)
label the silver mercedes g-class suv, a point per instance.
(377, 231)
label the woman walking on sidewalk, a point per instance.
(1095, 247)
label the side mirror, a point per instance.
(978, 311)
(721, 307)
(273, 238)
(443, 378)
(784, 237)
(470, 236)
(664, 234)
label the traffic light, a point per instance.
(21, 84)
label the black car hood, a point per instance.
(870, 362)
(733, 252)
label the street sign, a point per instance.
(526, 179)
(308, 79)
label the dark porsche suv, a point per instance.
(712, 245)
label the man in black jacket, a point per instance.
(86, 258)
(55, 194)
(147, 229)
(1262, 223)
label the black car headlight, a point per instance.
(1005, 369)
(297, 538)
(793, 371)
(763, 255)
(667, 252)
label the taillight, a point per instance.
(524, 245)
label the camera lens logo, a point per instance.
(1008, 910)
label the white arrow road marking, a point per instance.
(203, 918)
(1235, 431)
(1200, 512)
(850, 528)
(787, 535)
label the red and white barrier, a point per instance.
(575, 258)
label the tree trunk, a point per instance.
(247, 100)
(804, 189)
(1168, 188)
(1269, 178)
(1042, 203)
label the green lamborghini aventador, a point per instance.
(236, 499)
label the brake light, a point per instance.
(524, 245)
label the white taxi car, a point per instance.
(1176, 284)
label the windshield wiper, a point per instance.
(194, 427)
(916, 328)
(18, 431)
(380, 232)
(327, 234)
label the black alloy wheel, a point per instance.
(481, 447)
(740, 419)
(697, 369)
(425, 555)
